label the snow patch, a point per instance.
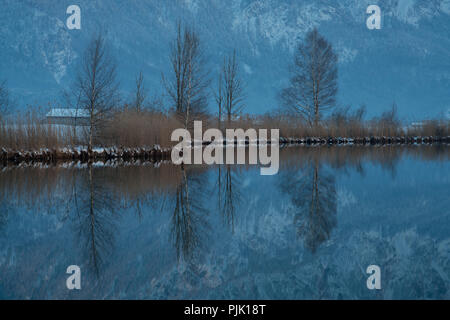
(445, 6)
(247, 69)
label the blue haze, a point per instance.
(407, 61)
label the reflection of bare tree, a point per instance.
(313, 195)
(228, 194)
(4, 212)
(188, 220)
(357, 156)
(95, 207)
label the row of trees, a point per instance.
(312, 87)
(186, 86)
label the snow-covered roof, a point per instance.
(70, 113)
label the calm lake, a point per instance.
(156, 231)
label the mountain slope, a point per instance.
(406, 61)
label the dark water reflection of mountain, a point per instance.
(225, 232)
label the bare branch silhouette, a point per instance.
(313, 195)
(186, 86)
(189, 216)
(313, 84)
(96, 88)
(95, 208)
(230, 95)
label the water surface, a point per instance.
(146, 231)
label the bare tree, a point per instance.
(140, 94)
(188, 81)
(390, 117)
(219, 96)
(313, 84)
(4, 99)
(231, 88)
(96, 88)
(389, 123)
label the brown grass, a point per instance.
(34, 185)
(128, 128)
(29, 131)
(344, 127)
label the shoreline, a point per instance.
(156, 153)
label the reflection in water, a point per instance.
(228, 193)
(189, 226)
(135, 222)
(95, 210)
(4, 213)
(313, 195)
(359, 156)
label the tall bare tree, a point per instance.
(140, 94)
(390, 117)
(96, 87)
(219, 97)
(188, 80)
(313, 84)
(389, 123)
(4, 99)
(231, 88)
